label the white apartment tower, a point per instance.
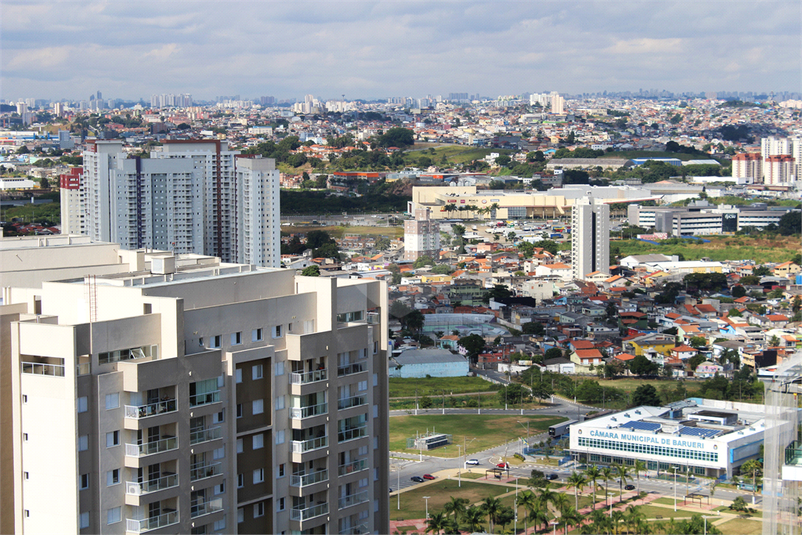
(747, 168)
(421, 236)
(590, 237)
(258, 209)
(193, 396)
(557, 103)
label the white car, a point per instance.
(472, 462)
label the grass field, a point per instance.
(629, 385)
(481, 431)
(454, 154)
(435, 386)
(651, 511)
(340, 231)
(738, 526)
(760, 249)
(628, 154)
(414, 506)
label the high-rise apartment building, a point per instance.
(747, 168)
(188, 198)
(72, 212)
(194, 396)
(590, 237)
(421, 236)
(781, 170)
(557, 103)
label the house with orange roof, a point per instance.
(683, 352)
(786, 269)
(585, 358)
(558, 269)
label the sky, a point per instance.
(371, 49)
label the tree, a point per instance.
(473, 517)
(473, 345)
(414, 321)
(761, 271)
(553, 353)
(311, 271)
(645, 395)
(639, 467)
(498, 292)
(698, 341)
(790, 223)
(503, 160)
(695, 361)
(738, 291)
(396, 137)
(492, 508)
(607, 475)
(436, 522)
(641, 365)
(578, 481)
(593, 474)
(624, 474)
(457, 507)
(513, 393)
(533, 327)
(752, 468)
(739, 504)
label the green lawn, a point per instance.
(435, 386)
(651, 511)
(454, 154)
(481, 431)
(414, 506)
(629, 154)
(760, 249)
(340, 231)
(739, 526)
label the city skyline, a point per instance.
(366, 50)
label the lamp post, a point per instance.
(427, 505)
(459, 469)
(398, 486)
(705, 519)
(554, 524)
(674, 469)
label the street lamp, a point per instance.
(427, 505)
(705, 519)
(398, 486)
(554, 523)
(459, 469)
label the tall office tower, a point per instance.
(191, 396)
(421, 236)
(748, 168)
(590, 237)
(557, 103)
(258, 210)
(72, 211)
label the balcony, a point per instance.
(350, 369)
(299, 413)
(205, 508)
(302, 515)
(154, 522)
(353, 499)
(151, 409)
(352, 467)
(303, 446)
(355, 530)
(205, 435)
(204, 399)
(136, 488)
(37, 368)
(309, 377)
(352, 434)
(204, 471)
(353, 401)
(151, 448)
(304, 480)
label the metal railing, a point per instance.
(205, 435)
(151, 448)
(37, 368)
(308, 377)
(297, 413)
(300, 515)
(304, 480)
(302, 446)
(353, 499)
(352, 434)
(205, 470)
(137, 488)
(207, 507)
(353, 401)
(154, 522)
(354, 466)
(355, 530)
(151, 409)
(204, 399)
(350, 369)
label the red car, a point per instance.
(428, 476)
(506, 466)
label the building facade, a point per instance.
(421, 236)
(70, 193)
(197, 396)
(590, 238)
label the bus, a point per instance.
(561, 429)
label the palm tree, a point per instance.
(593, 474)
(640, 466)
(601, 522)
(546, 497)
(617, 517)
(561, 502)
(528, 501)
(493, 208)
(624, 474)
(636, 520)
(451, 526)
(456, 506)
(491, 507)
(578, 481)
(570, 517)
(436, 522)
(473, 517)
(538, 515)
(607, 476)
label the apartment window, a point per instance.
(256, 372)
(112, 477)
(219, 453)
(240, 445)
(258, 441)
(240, 515)
(112, 401)
(277, 331)
(83, 404)
(216, 340)
(259, 509)
(258, 406)
(220, 489)
(375, 347)
(375, 411)
(25, 399)
(27, 513)
(375, 443)
(83, 442)
(281, 504)
(256, 335)
(240, 480)
(362, 385)
(279, 402)
(281, 470)
(220, 524)
(280, 437)
(376, 474)
(258, 475)
(219, 417)
(375, 379)
(112, 439)
(26, 475)
(25, 437)
(84, 520)
(279, 368)
(200, 341)
(113, 515)
(239, 410)
(238, 375)
(236, 339)
(84, 481)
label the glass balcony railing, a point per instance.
(205, 508)
(154, 522)
(151, 448)
(301, 515)
(304, 480)
(299, 413)
(309, 377)
(137, 488)
(793, 454)
(354, 466)
(37, 368)
(205, 435)
(350, 369)
(204, 399)
(302, 446)
(151, 409)
(203, 471)
(352, 434)
(354, 401)
(355, 530)
(353, 499)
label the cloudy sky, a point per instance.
(370, 49)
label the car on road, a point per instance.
(506, 466)
(472, 462)
(417, 479)
(629, 487)
(552, 477)
(429, 477)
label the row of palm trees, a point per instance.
(472, 208)
(593, 474)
